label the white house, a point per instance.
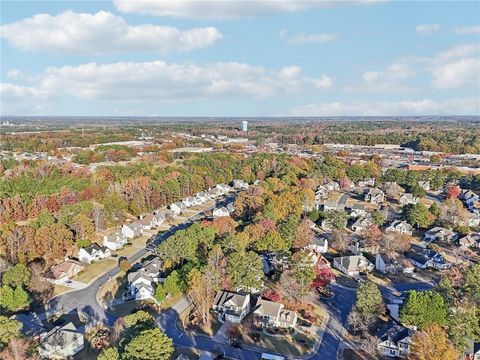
(132, 230)
(240, 184)
(390, 265)
(352, 265)
(401, 227)
(394, 341)
(61, 342)
(146, 221)
(66, 270)
(190, 201)
(270, 314)
(177, 208)
(367, 182)
(115, 241)
(362, 223)
(440, 234)
(358, 210)
(223, 188)
(408, 199)
(141, 285)
(219, 212)
(319, 244)
(375, 196)
(201, 197)
(471, 240)
(232, 306)
(93, 253)
(332, 186)
(159, 218)
(214, 193)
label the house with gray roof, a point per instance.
(232, 306)
(394, 341)
(61, 342)
(269, 314)
(352, 265)
(375, 196)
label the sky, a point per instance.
(240, 58)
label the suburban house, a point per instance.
(230, 207)
(271, 314)
(159, 218)
(232, 306)
(425, 185)
(214, 193)
(471, 240)
(153, 267)
(141, 285)
(362, 223)
(428, 259)
(224, 188)
(190, 201)
(333, 205)
(32, 326)
(358, 210)
(408, 199)
(375, 196)
(219, 212)
(440, 234)
(394, 341)
(332, 186)
(240, 185)
(366, 182)
(132, 230)
(473, 351)
(61, 342)
(93, 253)
(401, 227)
(469, 198)
(66, 270)
(393, 265)
(352, 265)
(146, 222)
(319, 244)
(201, 197)
(321, 194)
(115, 241)
(178, 208)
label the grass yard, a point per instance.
(60, 289)
(210, 328)
(297, 344)
(113, 289)
(128, 308)
(130, 249)
(96, 269)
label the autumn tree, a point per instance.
(303, 235)
(339, 241)
(432, 344)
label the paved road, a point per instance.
(167, 321)
(85, 300)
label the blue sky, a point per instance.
(230, 58)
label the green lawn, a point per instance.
(96, 269)
(288, 345)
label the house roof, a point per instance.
(268, 308)
(352, 263)
(394, 333)
(224, 297)
(134, 276)
(62, 336)
(63, 268)
(134, 226)
(288, 316)
(146, 220)
(93, 248)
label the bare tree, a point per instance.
(339, 240)
(368, 344)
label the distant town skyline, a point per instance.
(232, 58)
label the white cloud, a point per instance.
(302, 38)
(427, 29)
(466, 30)
(389, 80)
(168, 82)
(102, 33)
(455, 106)
(463, 72)
(228, 9)
(15, 99)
